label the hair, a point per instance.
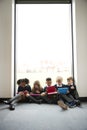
(48, 79)
(39, 86)
(18, 82)
(26, 81)
(70, 78)
(59, 78)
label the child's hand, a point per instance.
(21, 93)
(43, 94)
(26, 92)
(67, 91)
(37, 91)
(72, 87)
(27, 95)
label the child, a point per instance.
(73, 90)
(22, 94)
(38, 90)
(54, 98)
(27, 82)
(65, 97)
(23, 86)
(19, 95)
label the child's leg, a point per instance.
(61, 103)
(12, 101)
(46, 99)
(16, 98)
(69, 101)
(70, 96)
(66, 98)
(76, 95)
(33, 99)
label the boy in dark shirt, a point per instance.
(55, 97)
(72, 90)
(65, 97)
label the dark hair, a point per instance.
(19, 81)
(48, 79)
(26, 81)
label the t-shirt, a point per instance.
(28, 88)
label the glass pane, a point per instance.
(43, 41)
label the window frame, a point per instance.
(41, 2)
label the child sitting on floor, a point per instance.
(37, 92)
(67, 98)
(54, 98)
(22, 94)
(73, 90)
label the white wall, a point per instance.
(80, 42)
(5, 48)
(80, 45)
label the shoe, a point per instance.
(6, 102)
(1, 101)
(62, 105)
(72, 105)
(30, 101)
(12, 107)
(39, 101)
(78, 103)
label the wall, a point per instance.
(80, 45)
(6, 47)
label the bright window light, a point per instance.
(43, 41)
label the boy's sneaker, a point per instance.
(12, 107)
(62, 105)
(72, 105)
(6, 102)
(78, 103)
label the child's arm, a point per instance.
(44, 92)
(19, 89)
(28, 89)
(72, 87)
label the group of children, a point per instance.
(41, 95)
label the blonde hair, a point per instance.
(37, 82)
(59, 78)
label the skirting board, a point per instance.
(82, 99)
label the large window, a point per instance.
(43, 41)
